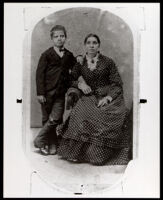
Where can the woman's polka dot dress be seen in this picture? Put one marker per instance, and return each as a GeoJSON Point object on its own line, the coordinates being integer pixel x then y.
{"type": "Point", "coordinates": [96, 134]}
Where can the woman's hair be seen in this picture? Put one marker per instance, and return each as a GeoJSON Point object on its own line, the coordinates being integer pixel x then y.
{"type": "Point", "coordinates": [58, 28]}
{"type": "Point", "coordinates": [92, 35]}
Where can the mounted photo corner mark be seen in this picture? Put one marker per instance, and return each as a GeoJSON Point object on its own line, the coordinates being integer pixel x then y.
{"type": "Point", "coordinates": [19, 101]}
{"type": "Point", "coordinates": [143, 101]}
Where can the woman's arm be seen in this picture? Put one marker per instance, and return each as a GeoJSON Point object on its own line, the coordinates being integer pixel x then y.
{"type": "Point", "coordinates": [115, 81]}
{"type": "Point", "coordinates": [82, 85]}
{"type": "Point", "coordinates": [76, 74]}
{"type": "Point", "coordinates": [115, 85]}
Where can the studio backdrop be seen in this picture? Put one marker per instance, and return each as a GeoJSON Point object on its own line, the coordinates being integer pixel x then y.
{"type": "Point", "coordinates": [116, 42]}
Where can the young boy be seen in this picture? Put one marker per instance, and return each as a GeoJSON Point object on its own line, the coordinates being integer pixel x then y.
{"type": "Point", "coordinates": [52, 81]}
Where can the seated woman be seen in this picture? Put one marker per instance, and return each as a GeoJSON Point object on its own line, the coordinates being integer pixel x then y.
{"type": "Point", "coordinates": [94, 132]}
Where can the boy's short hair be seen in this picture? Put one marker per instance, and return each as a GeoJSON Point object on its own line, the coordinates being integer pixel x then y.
{"type": "Point", "coordinates": [58, 28]}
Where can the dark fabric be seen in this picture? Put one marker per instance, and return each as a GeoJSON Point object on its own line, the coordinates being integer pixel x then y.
{"type": "Point", "coordinates": [53, 71]}
{"type": "Point", "coordinates": [48, 135]}
{"type": "Point", "coordinates": [90, 153]}
{"type": "Point", "coordinates": [97, 127]}
{"type": "Point", "coordinates": [105, 80]}
{"type": "Point", "coordinates": [72, 96]}
{"type": "Point", "coordinates": [46, 108]}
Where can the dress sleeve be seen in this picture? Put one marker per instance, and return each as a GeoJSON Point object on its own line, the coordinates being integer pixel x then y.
{"type": "Point", "coordinates": [115, 82]}
{"type": "Point", "coordinates": [40, 75]}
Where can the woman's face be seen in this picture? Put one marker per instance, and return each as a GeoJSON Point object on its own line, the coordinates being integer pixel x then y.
{"type": "Point", "coordinates": [92, 45]}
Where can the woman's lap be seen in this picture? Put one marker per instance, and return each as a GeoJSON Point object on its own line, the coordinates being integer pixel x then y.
{"type": "Point", "coordinates": [87, 118]}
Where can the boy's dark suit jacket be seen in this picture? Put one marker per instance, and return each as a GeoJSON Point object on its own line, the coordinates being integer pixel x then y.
{"type": "Point", "coordinates": [53, 72]}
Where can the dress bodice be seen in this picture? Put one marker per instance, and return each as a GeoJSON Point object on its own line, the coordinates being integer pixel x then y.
{"type": "Point", "coordinates": [98, 77]}
{"type": "Point", "coordinates": [104, 78]}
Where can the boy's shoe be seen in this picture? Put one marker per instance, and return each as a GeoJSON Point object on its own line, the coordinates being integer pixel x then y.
{"type": "Point", "coordinates": [52, 149]}
{"type": "Point", "coordinates": [44, 150]}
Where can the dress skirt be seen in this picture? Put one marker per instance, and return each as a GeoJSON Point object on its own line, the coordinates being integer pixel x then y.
{"type": "Point", "coordinates": [96, 135]}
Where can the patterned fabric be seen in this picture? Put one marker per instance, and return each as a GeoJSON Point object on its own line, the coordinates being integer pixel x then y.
{"type": "Point", "coordinates": [96, 134]}
{"type": "Point", "coordinates": [88, 153]}
{"type": "Point", "coordinates": [92, 62]}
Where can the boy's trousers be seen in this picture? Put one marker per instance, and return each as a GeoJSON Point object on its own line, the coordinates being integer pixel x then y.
{"type": "Point", "coordinates": [52, 115]}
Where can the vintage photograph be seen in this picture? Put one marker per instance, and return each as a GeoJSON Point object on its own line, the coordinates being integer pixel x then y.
{"type": "Point", "coordinates": [80, 91]}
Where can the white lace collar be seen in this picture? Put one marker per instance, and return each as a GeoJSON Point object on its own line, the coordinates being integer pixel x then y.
{"type": "Point", "coordinates": [92, 62]}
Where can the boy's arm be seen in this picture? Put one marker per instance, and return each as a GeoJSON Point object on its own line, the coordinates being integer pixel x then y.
{"type": "Point", "coordinates": [40, 78]}
{"type": "Point", "coordinates": [73, 82]}
{"type": "Point", "coordinates": [74, 60]}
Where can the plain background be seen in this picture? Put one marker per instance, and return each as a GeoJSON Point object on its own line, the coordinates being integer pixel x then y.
{"type": "Point", "coordinates": [144, 179]}
{"type": "Point", "coordinates": [116, 42]}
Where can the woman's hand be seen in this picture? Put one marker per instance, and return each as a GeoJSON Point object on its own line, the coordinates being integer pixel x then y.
{"type": "Point", "coordinates": [84, 87]}
{"type": "Point", "coordinates": [104, 101]}
{"type": "Point", "coordinates": [41, 99]}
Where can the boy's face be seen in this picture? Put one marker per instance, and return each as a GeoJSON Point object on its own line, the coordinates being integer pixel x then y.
{"type": "Point", "coordinates": [59, 38]}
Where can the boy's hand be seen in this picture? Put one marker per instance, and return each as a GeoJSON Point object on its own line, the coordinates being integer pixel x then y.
{"type": "Point", "coordinates": [41, 99]}
{"type": "Point", "coordinates": [80, 59]}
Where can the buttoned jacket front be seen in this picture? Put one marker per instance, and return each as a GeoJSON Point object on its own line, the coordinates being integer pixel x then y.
{"type": "Point", "coordinates": [53, 71]}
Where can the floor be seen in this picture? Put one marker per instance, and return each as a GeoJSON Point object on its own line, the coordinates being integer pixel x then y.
{"type": "Point", "coordinates": [71, 176]}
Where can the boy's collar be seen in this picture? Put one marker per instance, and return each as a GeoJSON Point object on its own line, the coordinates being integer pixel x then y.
{"type": "Point", "coordinates": [59, 49]}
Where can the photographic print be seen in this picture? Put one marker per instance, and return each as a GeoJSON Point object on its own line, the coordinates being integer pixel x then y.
{"type": "Point", "coordinates": [80, 88]}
